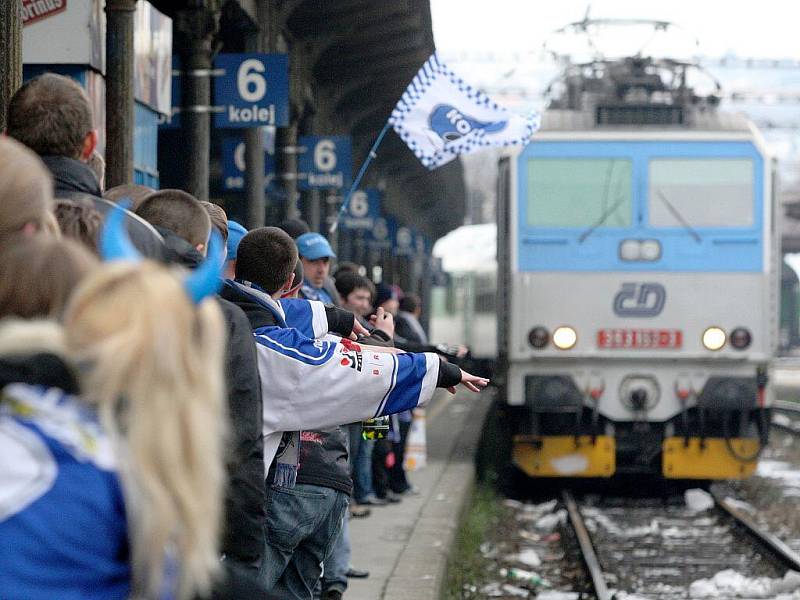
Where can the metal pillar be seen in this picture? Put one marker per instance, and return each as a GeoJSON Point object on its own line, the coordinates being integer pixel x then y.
{"type": "Point", "coordinates": [120, 117]}
{"type": "Point", "coordinates": [314, 210]}
{"type": "Point", "coordinates": [254, 161]}
{"type": "Point", "coordinates": [10, 54]}
{"type": "Point", "coordinates": [194, 30]}
{"type": "Point", "coordinates": [286, 147]}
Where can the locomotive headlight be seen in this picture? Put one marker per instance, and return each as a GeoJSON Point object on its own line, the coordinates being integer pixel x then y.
{"type": "Point", "coordinates": [538, 337]}
{"type": "Point", "coordinates": [564, 338]}
{"type": "Point", "coordinates": [741, 338]}
{"type": "Point", "coordinates": [713, 338]}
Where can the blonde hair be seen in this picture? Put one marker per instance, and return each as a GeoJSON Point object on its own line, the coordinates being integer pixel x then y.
{"type": "Point", "coordinates": [155, 372]}
{"type": "Point", "coordinates": [26, 189]}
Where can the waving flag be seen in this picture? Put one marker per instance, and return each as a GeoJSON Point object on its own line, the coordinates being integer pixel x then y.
{"type": "Point", "coordinates": [440, 116]}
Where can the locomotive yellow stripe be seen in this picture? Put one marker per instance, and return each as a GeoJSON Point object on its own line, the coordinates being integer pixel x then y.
{"type": "Point", "coordinates": [713, 461]}
{"type": "Point", "coordinates": [565, 456]}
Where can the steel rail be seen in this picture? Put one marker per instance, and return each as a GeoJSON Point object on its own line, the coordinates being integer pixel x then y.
{"type": "Point", "coordinates": [784, 406]}
{"type": "Point", "coordinates": [587, 549]}
{"type": "Point", "coordinates": [790, 408]}
{"type": "Point", "coordinates": [786, 555]}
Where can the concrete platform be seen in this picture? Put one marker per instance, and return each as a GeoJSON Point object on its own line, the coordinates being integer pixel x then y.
{"type": "Point", "coordinates": [405, 546]}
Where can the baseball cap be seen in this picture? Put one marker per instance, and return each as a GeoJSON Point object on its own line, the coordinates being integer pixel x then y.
{"type": "Point", "coordinates": [312, 246]}
{"type": "Point", "coordinates": [235, 234]}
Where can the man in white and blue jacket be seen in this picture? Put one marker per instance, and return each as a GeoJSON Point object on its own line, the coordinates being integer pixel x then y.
{"type": "Point", "coordinates": [319, 383]}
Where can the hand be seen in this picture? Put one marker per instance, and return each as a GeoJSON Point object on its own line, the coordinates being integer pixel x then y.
{"type": "Point", "coordinates": [461, 350]}
{"type": "Point", "coordinates": [472, 382]}
{"type": "Point", "coordinates": [358, 329]}
{"type": "Point", "coordinates": [383, 321]}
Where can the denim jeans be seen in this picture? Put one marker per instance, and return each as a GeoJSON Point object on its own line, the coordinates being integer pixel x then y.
{"type": "Point", "coordinates": [334, 576]}
{"type": "Point", "coordinates": [301, 527]}
{"type": "Point", "coordinates": [362, 480]}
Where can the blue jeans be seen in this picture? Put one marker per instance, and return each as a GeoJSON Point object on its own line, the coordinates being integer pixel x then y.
{"type": "Point", "coordinates": [301, 527]}
{"type": "Point", "coordinates": [335, 575]}
{"type": "Point", "coordinates": [362, 478]}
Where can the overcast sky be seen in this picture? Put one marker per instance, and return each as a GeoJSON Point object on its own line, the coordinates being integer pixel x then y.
{"type": "Point", "coordinates": [763, 28]}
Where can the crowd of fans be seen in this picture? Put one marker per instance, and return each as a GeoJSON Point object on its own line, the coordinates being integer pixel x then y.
{"type": "Point", "coordinates": [181, 400]}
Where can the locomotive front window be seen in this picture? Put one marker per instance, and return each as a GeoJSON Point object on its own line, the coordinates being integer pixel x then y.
{"type": "Point", "coordinates": [579, 192]}
{"type": "Point", "coordinates": [701, 192]}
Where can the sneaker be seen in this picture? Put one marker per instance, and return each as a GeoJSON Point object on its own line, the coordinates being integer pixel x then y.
{"type": "Point", "coordinates": [393, 497]}
{"type": "Point", "coordinates": [412, 491]}
{"type": "Point", "coordinates": [356, 574]}
{"type": "Point", "coordinates": [359, 512]}
{"type": "Point", "coordinates": [374, 501]}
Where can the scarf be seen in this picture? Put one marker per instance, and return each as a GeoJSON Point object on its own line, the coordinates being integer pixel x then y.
{"type": "Point", "coordinates": [287, 460]}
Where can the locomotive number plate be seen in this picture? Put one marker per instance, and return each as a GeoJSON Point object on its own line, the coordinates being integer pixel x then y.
{"type": "Point", "coordinates": [660, 339]}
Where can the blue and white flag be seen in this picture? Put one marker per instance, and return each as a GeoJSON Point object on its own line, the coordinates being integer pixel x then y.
{"type": "Point", "coordinates": [440, 116]}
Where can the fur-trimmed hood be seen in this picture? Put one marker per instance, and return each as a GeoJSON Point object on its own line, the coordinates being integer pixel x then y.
{"type": "Point", "coordinates": [33, 352]}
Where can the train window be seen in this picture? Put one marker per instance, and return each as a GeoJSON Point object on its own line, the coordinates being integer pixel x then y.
{"type": "Point", "coordinates": [701, 192]}
{"type": "Point", "coordinates": [579, 192]}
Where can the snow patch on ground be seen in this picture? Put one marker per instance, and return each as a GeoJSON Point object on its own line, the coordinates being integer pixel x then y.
{"type": "Point", "coordinates": [528, 557]}
{"type": "Point", "coordinates": [551, 521]}
{"type": "Point", "coordinates": [788, 473]}
{"type": "Point", "coordinates": [698, 500]}
{"type": "Point", "coordinates": [732, 584]}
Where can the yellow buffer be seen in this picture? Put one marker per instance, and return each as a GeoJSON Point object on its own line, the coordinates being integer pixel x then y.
{"type": "Point", "coordinates": [713, 461]}
{"type": "Point", "coordinates": [561, 456]}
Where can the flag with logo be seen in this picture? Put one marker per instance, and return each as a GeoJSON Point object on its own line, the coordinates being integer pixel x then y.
{"type": "Point", "coordinates": [440, 117]}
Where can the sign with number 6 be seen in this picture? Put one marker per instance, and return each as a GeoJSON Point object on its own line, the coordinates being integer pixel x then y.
{"type": "Point", "coordinates": [252, 90]}
{"type": "Point", "coordinates": [324, 161]}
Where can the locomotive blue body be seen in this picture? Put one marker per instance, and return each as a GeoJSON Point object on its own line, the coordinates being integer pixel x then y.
{"type": "Point", "coordinates": [638, 278]}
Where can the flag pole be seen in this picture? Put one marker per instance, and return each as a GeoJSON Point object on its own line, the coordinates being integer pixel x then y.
{"type": "Point", "coordinates": [361, 172]}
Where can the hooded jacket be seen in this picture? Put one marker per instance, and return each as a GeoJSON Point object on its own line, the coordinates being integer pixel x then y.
{"type": "Point", "coordinates": [63, 524]}
{"type": "Point", "coordinates": [319, 384]}
{"type": "Point", "coordinates": [244, 499]}
{"type": "Point", "coordinates": [63, 529]}
{"type": "Point", "coordinates": [74, 179]}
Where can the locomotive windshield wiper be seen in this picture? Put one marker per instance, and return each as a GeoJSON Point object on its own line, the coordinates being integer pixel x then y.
{"type": "Point", "coordinates": [582, 237]}
{"type": "Point", "coordinates": [674, 212]}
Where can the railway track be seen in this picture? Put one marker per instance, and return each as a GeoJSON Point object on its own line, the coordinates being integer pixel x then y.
{"type": "Point", "coordinates": [786, 417]}
{"type": "Point", "coordinates": [655, 549]}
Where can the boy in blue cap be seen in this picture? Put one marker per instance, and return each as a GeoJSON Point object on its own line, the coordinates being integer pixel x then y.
{"type": "Point", "coordinates": [235, 234]}
{"type": "Point", "coordinates": [316, 254]}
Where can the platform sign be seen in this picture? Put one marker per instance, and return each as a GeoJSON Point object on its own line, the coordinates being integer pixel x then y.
{"type": "Point", "coordinates": [251, 90]}
{"type": "Point", "coordinates": [363, 210]}
{"type": "Point", "coordinates": [326, 162]}
{"type": "Point", "coordinates": [233, 165]}
{"type": "Point", "coordinates": [382, 234]}
{"type": "Point", "coordinates": [405, 242]}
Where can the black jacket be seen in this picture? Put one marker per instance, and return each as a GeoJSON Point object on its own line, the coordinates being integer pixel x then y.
{"type": "Point", "coordinates": [74, 180]}
{"type": "Point", "coordinates": [244, 499]}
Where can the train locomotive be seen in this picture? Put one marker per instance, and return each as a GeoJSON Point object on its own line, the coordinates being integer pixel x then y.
{"type": "Point", "coordinates": [638, 280]}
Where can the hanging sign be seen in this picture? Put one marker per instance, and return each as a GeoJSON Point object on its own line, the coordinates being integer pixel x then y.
{"type": "Point", "coordinates": [363, 210]}
{"type": "Point", "coordinates": [404, 242]}
{"type": "Point", "coordinates": [325, 162]}
{"type": "Point", "coordinates": [382, 234]}
{"type": "Point", "coordinates": [233, 165]}
{"type": "Point", "coordinates": [251, 90]}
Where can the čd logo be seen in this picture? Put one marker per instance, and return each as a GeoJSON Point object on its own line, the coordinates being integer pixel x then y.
{"type": "Point", "coordinates": [640, 300]}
